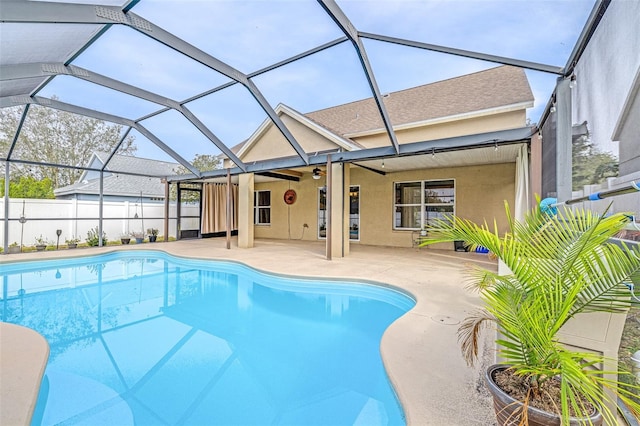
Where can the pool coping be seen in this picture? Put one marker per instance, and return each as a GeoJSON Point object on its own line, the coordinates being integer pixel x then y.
{"type": "Point", "coordinates": [24, 354]}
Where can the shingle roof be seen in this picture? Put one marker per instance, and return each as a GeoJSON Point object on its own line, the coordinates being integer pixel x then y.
{"type": "Point", "coordinates": [495, 87]}
{"type": "Point", "coordinates": [131, 164]}
{"type": "Point", "coordinates": [125, 185]}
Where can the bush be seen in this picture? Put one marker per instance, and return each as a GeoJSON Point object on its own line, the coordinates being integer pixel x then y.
{"type": "Point", "coordinates": [93, 238]}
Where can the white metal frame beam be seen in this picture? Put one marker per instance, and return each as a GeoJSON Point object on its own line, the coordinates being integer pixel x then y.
{"type": "Point", "coordinates": [466, 53]}
{"type": "Point", "coordinates": [458, 143]}
{"type": "Point", "coordinates": [46, 12]}
{"type": "Point", "coordinates": [45, 69]}
{"type": "Point", "coordinates": [74, 109]}
{"type": "Point", "coordinates": [341, 20]}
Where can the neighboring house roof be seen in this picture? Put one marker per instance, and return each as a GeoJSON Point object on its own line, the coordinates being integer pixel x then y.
{"type": "Point", "coordinates": [116, 184]}
{"type": "Point", "coordinates": [131, 164]}
{"type": "Point", "coordinates": [485, 90]}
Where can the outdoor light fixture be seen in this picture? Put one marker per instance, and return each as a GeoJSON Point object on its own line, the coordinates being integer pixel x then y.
{"type": "Point", "coordinates": [316, 173]}
{"type": "Point", "coordinates": [383, 163]}
{"type": "Point", "coordinates": [573, 81]}
{"type": "Point", "coordinates": [496, 146]}
{"type": "Point", "coordinates": [553, 104]}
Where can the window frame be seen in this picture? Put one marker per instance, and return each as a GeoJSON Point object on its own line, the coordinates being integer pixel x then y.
{"type": "Point", "coordinates": [257, 208]}
{"type": "Point", "coordinates": [423, 205]}
{"type": "Point", "coordinates": [324, 216]}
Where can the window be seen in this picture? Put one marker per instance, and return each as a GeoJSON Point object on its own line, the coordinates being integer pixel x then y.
{"type": "Point", "coordinates": [262, 207]}
{"type": "Point", "coordinates": [354, 212]}
{"type": "Point", "coordinates": [322, 212]}
{"type": "Point", "coordinates": [419, 203]}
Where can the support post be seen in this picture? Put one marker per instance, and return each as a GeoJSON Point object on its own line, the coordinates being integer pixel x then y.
{"type": "Point", "coordinates": [564, 142]}
{"type": "Point", "coordinates": [101, 209]}
{"type": "Point", "coordinates": [246, 184]}
{"type": "Point", "coordinates": [178, 211]}
{"type": "Point", "coordinates": [329, 209]}
{"type": "Point", "coordinates": [339, 232]}
{"type": "Point", "coordinates": [7, 175]}
{"type": "Point", "coordinates": [166, 210]}
{"type": "Point", "coordinates": [229, 209]}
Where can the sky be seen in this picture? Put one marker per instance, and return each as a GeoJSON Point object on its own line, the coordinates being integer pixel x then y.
{"type": "Point", "coordinates": [250, 35]}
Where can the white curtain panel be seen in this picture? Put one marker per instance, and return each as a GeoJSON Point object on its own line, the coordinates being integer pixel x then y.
{"type": "Point", "coordinates": [523, 188]}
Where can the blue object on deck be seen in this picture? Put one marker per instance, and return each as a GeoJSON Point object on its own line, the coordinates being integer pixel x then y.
{"type": "Point", "coordinates": [548, 206]}
{"type": "Point", "coordinates": [481, 249]}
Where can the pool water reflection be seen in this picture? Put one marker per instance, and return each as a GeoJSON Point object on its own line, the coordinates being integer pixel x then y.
{"type": "Point", "coordinates": [146, 338]}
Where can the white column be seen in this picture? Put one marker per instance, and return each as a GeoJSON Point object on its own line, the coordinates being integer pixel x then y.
{"type": "Point", "coordinates": [246, 183]}
{"type": "Point", "coordinates": [339, 211]}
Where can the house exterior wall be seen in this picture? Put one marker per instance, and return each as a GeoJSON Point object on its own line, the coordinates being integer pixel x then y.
{"type": "Point", "coordinates": [273, 145]}
{"type": "Point", "coordinates": [469, 126]}
{"type": "Point", "coordinates": [480, 195]}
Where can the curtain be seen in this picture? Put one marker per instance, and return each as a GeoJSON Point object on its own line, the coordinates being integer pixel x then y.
{"type": "Point", "coordinates": [522, 183]}
{"type": "Point", "coordinates": [214, 207]}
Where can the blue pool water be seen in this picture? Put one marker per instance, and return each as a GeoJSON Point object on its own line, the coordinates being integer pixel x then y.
{"type": "Point", "coordinates": [147, 338]}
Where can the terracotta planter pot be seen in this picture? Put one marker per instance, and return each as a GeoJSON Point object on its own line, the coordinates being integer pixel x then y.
{"type": "Point", "coordinates": [508, 410]}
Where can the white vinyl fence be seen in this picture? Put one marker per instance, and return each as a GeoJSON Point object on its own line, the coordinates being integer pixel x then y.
{"type": "Point", "coordinates": [629, 203]}
{"type": "Point", "coordinates": [75, 218]}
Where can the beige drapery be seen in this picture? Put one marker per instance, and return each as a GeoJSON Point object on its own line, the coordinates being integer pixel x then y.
{"type": "Point", "coordinates": [214, 207]}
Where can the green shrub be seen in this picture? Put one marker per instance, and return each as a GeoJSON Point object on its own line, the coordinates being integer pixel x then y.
{"type": "Point", "coordinates": [93, 238]}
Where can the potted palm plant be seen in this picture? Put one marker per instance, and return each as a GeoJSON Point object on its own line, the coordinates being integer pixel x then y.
{"type": "Point", "coordinates": [561, 265]}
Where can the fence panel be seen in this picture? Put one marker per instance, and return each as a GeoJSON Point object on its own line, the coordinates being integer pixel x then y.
{"type": "Point", "coordinates": [75, 218]}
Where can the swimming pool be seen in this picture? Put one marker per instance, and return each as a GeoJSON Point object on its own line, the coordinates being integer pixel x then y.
{"type": "Point", "coordinates": [147, 338]}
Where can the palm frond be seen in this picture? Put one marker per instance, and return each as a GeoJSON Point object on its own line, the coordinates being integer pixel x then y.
{"type": "Point", "coordinates": [468, 335]}
{"type": "Point", "coordinates": [560, 266]}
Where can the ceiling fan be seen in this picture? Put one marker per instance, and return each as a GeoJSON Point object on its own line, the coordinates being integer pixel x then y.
{"type": "Point", "coordinates": [317, 173]}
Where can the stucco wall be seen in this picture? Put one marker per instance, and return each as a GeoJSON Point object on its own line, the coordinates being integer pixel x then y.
{"type": "Point", "coordinates": [606, 71]}
{"type": "Point", "coordinates": [273, 145]}
{"type": "Point", "coordinates": [480, 195]}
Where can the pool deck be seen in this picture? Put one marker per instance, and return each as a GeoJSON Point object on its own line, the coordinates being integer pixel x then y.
{"type": "Point", "coordinates": [420, 349]}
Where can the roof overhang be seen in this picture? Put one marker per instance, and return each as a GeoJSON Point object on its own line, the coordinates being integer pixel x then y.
{"type": "Point", "coordinates": [521, 106]}
{"type": "Point", "coordinates": [450, 152]}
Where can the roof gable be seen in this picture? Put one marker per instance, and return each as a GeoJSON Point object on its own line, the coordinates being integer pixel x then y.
{"type": "Point", "coordinates": [283, 110]}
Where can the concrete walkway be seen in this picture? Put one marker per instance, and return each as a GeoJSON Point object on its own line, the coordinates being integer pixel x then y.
{"type": "Point", "coordinates": [420, 349]}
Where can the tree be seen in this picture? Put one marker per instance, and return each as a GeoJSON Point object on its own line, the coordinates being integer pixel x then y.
{"type": "Point", "coordinates": [202, 162]}
{"type": "Point", "coordinates": [57, 137]}
{"type": "Point", "coordinates": [590, 165]}
{"type": "Point", "coordinates": [28, 187]}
